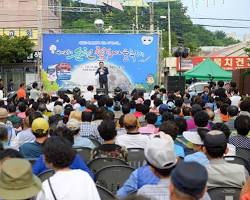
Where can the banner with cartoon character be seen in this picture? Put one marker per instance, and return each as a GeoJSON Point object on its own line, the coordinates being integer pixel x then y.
{"type": "Point", "coordinates": [71, 60]}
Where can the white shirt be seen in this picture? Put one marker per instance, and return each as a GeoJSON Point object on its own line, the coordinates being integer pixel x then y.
{"type": "Point", "coordinates": [69, 185]}
{"type": "Point", "coordinates": [132, 140]}
{"type": "Point", "coordinates": [88, 96]}
{"type": "Point", "coordinates": [50, 106]}
{"type": "Point", "coordinates": [231, 150]}
{"type": "Point", "coordinates": [23, 137]}
{"type": "Point", "coordinates": [235, 100]}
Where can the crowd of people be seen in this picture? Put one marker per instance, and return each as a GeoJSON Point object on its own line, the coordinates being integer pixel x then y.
{"type": "Point", "coordinates": [185, 138]}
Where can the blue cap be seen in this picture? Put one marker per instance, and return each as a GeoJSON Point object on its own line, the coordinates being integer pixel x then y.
{"type": "Point", "coordinates": [190, 178]}
{"type": "Point", "coordinates": [163, 108]}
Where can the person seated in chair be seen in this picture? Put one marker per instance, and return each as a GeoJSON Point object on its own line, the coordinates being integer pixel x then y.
{"type": "Point", "coordinates": [107, 131]}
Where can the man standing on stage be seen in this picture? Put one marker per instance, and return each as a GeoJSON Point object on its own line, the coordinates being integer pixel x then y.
{"type": "Point", "coordinates": [103, 76]}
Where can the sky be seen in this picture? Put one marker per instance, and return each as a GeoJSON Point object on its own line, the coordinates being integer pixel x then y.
{"type": "Point", "coordinates": [223, 9]}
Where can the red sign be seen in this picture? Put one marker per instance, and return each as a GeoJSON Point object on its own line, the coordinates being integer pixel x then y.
{"type": "Point", "coordinates": [227, 63]}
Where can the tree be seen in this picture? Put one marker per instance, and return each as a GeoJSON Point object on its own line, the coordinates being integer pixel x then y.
{"type": "Point", "coordinates": [248, 51]}
{"type": "Point", "coordinates": [15, 49]}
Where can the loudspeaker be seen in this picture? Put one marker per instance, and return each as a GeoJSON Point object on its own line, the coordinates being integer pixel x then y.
{"type": "Point", "coordinates": [100, 91]}
{"type": "Point", "coordinates": [176, 83]}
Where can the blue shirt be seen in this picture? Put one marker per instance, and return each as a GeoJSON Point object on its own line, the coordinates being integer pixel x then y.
{"type": "Point", "coordinates": [179, 150]}
{"type": "Point", "coordinates": [158, 121]}
{"type": "Point", "coordinates": [132, 111]}
{"type": "Point", "coordinates": [140, 177]}
{"type": "Point", "coordinates": [39, 166]}
{"type": "Point", "coordinates": [82, 142]}
{"type": "Point", "coordinates": [199, 157]}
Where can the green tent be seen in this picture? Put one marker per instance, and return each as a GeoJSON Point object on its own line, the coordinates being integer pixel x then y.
{"type": "Point", "coordinates": [207, 70]}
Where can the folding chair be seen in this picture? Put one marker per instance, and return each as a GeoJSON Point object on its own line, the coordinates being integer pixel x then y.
{"type": "Point", "coordinates": [227, 193]}
{"type": "Point", "coordinates": [95, 142]}
{"type": "Point", "coordinates": [113, 177]}
{"type": "Point", "coordinates": [32, 160]}
{"type": "Point", "coordinates": [238, 160]}
{"type": "Point", "coordinates": [99, 163]}
{"type": "Point", "coordinates": [84, 152]}
{"type": "Point", "coordinates": [46, 174]}
{"type": "Point", "coordinates": [244, 153]}
{"type": "Point", "coordinates": [104, 193]}
{"type": "Point", "coordinates": [136, 157]}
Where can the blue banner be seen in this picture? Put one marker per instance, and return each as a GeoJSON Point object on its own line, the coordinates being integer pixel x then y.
{"type": "Point", "coordinates": [71, 60]}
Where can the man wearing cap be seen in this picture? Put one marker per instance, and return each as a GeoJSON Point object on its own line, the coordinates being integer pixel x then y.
{"type": "Point", "coordinates": [26, 135]}
{"type": "Point", "coordinates": [17, 180]}
{"type": "Point", "coordinates": [188, 186]}
{"type": "Point", "coordinates": [160, 156]}
{"type": "Point", "coordinates": [220, 172]}
{"type": "Point", "coordinates": [197, 143]}
{"type": "Point", "coordinates": [133, 139]}
{"type": "Point", "coordinates": [74, 125]}
{"type": "Point", "coordinates": [39, 128]}
{"type": "Point", "coordinates": [4, 122]}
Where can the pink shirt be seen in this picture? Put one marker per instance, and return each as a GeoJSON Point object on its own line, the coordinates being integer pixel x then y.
{"type": "Point", "coordinates": [149, 129]}
{"type": "Point", "coordinates": [138, 114]}
{"type": "Point", "coordinates": [191, 125]}
{"type": "Point", "coordinates": [21, 115]}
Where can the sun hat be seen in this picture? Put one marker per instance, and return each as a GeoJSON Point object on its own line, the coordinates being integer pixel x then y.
{"type": "Point", "coordinates": [193, 137]}
{"type": "Point", "coordinates": [3, 113]}
{"type": "Point", "coordinates": [190, 178]}
{"type": "Point", "coordinates": [160, 152]}
{"type": "Point", "coordinates": [57, 110]}
{"type": "Point", "coordinates": [17, 181]}
{"type": "Point", "coordinates": [40, 126]}
{"type": "Point", "coordinates": [73, 124]}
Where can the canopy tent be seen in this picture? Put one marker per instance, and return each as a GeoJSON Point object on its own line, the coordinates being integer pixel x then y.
{"type": "Point", "coordinates": [208, 70]}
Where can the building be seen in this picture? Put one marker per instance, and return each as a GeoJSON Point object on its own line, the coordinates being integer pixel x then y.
{"type": "Point", "coordinates": [31, 18]}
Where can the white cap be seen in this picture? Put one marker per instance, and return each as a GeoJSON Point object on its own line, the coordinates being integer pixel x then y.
{"type": "Point", "coordinates": [160, 152]}
{"type": "Point", "coordinates": [193, 137]}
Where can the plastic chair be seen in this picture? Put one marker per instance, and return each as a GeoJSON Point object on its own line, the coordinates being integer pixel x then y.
{"type": "Point", "coordinates": [95, 142]}
{"type": "Point", "coordinates": [136, 157]}
{"type": "Point", "coordinates": [84, 152]}
{"type": "Point", "coordinates": [46, 174]}
{"type": "Point", "coordinates": [220, 193]}
{"type": "Point", "coordinates": [113, 177]}
{"type": "Point", "coordinates": [32, 160]}
{"type": "Point", "coordinates": [244, 153]}
{"type": "Point", "coordinates": [99, 163]}
{"type": "Point", "coordinates": [104, 193]}
{"type": "Point", "coordinates": [238, 160]}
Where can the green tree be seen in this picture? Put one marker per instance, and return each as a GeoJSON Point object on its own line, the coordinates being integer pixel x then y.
{"type": "Point", "coordinates": [15, 49]}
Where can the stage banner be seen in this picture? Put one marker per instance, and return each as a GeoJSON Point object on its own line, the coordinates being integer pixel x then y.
{"type": "Point", "coordinates": [71, 60]}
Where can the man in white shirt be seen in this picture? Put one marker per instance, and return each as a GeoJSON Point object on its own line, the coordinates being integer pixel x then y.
{"type": "Point", "coordinates": [133, 139]}
{"type": "Point", "coordinates": [235, 98]}
{"type": "Point", "coordinates": [89, 95]}
{"type": "Point", "coordinates": [65, 184]}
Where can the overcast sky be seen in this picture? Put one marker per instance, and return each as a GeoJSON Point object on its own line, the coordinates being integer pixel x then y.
{"type": "Point", "coordinates": [233, 9]}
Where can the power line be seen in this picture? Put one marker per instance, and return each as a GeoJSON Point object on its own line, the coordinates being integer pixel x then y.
{"type": "Point", "coordinates": [221, 19]}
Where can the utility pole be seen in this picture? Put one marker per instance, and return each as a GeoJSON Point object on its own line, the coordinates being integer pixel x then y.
{"type": "Point", "coordinates": [169, 31]}
{"type": "Point", "coordinates": [151, 16]}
